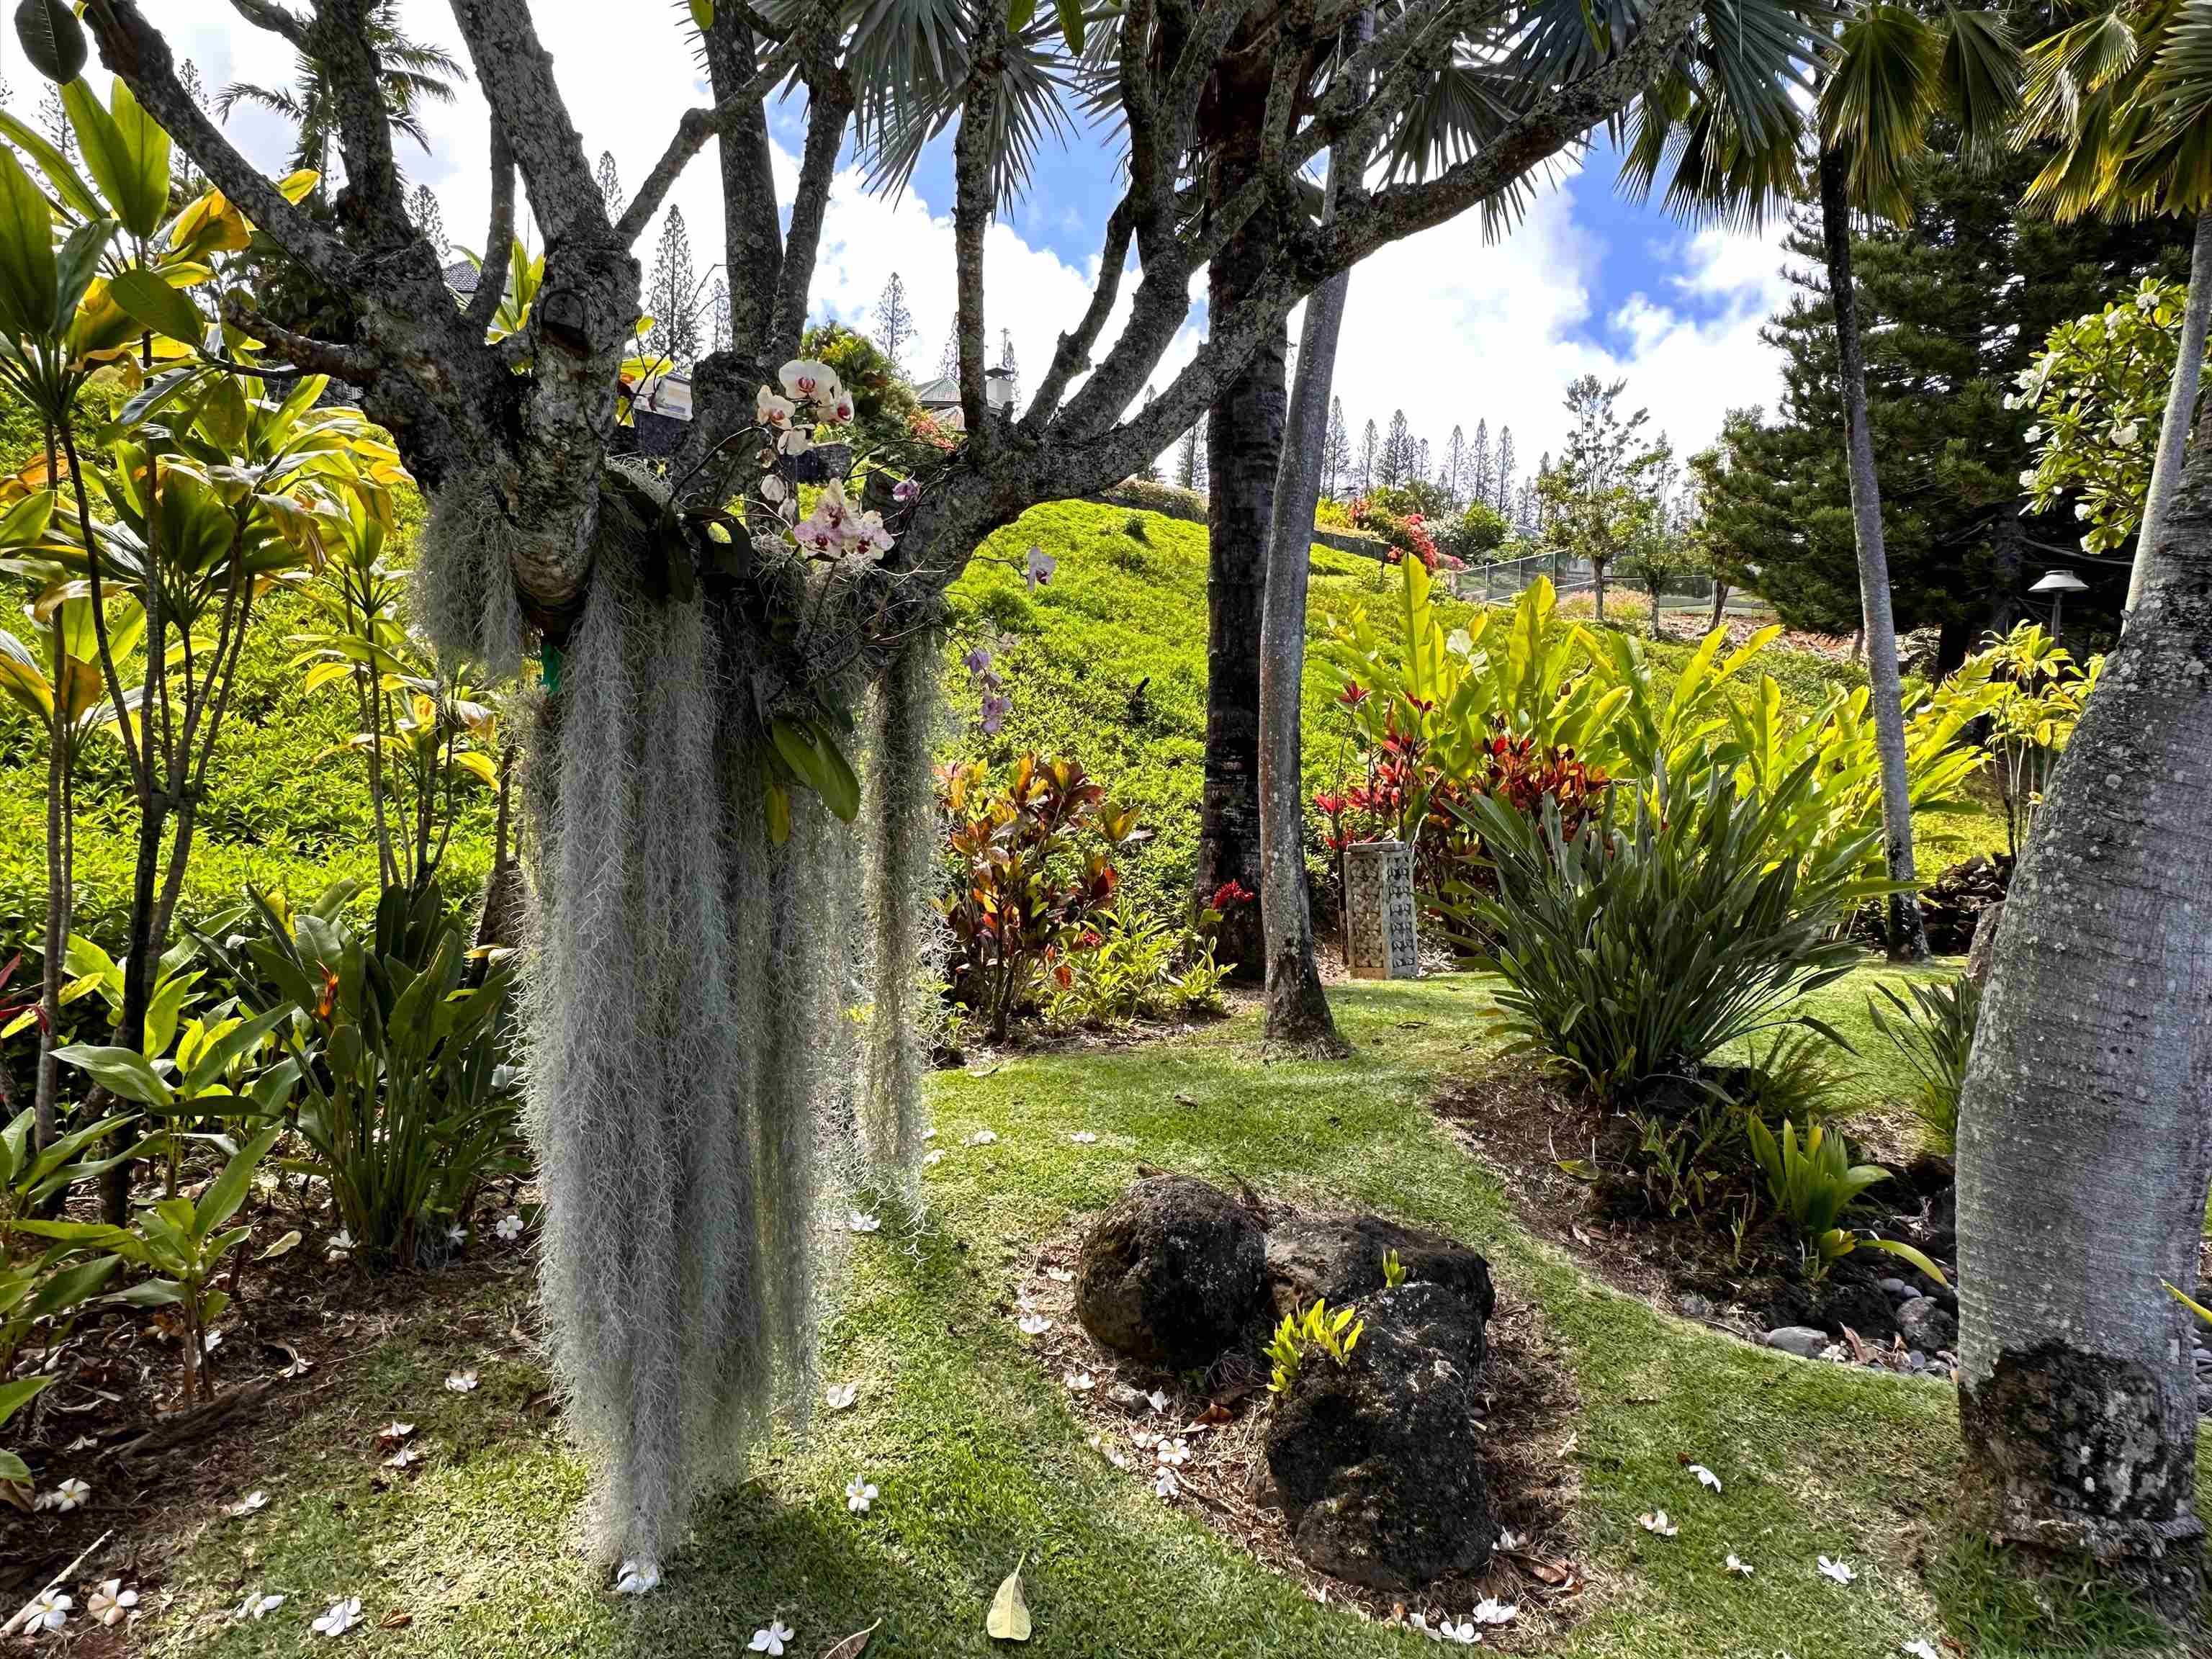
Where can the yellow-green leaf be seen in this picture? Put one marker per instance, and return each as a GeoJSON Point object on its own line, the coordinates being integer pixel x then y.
{"type": "Point", "coordinates": [153, 305]}
{"type": "Point", "coordinates": [27, 251]}
{"type": "Point", "coordinates": [1009, 1618]}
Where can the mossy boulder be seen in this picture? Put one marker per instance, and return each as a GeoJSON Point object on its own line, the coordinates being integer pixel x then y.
{"type": "Point", "coordinates": [1174, 1274]}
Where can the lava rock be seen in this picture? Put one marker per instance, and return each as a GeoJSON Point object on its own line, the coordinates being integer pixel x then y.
{"type": "Point", "coordinates": [1926, 1326]}
{"type": "Point", "coordinates": [1803, 1340]}
{"type": "Point", "coordinates": [1378, 1462]}
{"type": "Point", "coordinates": [1339, 1258]}
{"type": "Point", "coordinates": [1861, 1307]}
{"type": "Point", "coordinates": [1896, 1289]}
{"type": "Point", "coordinates": [1173, 1274]}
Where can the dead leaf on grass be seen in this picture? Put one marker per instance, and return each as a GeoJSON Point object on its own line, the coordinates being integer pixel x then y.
{"type": "Point", "coordinates": [283, 1246]}
{"type": "Point", "coordinates": [1009, 1618]}
{"type": "Point", "coordinates": [853, 1645]}
{"type": "Point", "coordinates": [397, 1618]}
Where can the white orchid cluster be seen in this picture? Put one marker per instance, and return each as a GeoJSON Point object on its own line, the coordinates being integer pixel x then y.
{"type": "Point", "coordinates": [812, 396]}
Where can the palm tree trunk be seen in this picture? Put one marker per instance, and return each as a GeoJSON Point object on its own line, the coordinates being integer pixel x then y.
{"type": "Point", "coordinates": [1908, 942]}
{"type": "Point", "coordinates": [1243, 443]}
{"type": "Point", "coordinates": [2180, 407]}
{"type": "Point", "coordinates": [1298, 1007]}
{"type": "Point", "coordinates": [2084, 1141]}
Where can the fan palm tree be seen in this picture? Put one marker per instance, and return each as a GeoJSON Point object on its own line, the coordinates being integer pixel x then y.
{"type": "Point", "coordinates": [411, 74]}
{"type": "Point", "coordinates": [1889, 73]}
{"type": "Point", "coordinates": [2126, 94]}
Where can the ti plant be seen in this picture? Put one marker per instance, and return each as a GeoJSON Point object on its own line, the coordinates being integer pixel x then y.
{"type": "Point", "coordinates": [181, 1245]}
{"type": "Point", "coordinates": [54, 1284]}
{"type": "Point", "coordinates": [1334, 1332]}
{"type": "Point", "coordinates": [1812, 1184]}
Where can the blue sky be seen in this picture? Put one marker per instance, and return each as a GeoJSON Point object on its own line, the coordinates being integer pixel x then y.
{"type": "Point", "coordinates": [1446, 326]}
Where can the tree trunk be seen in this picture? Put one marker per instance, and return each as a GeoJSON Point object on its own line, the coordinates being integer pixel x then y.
{"type": "Point", "coordinates": [2084, 1141]}
{"type": "Point", "coordinates": [1243, 443]}
{"type": "Point", "coordinates": [1297, 1006]}
{"type": "Point", "coordinates": [1597, 586]}
{"type": "Point", "coordinates": [2180, 408]}
{"type": "Point", "coordinates": [46, 1097]}
{"type": "Point", "coordinates": [1719, 604]}
{"type": "Point", "coordinates": [1908, 942]}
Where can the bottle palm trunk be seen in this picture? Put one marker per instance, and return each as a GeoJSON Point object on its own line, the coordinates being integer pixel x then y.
{"type": "Point", "coordinates": [2180, 407]}
{"type": "Point", "coordinates": [1908, 940]}
{"type": "Point", "coordinates": [2085, 1144]}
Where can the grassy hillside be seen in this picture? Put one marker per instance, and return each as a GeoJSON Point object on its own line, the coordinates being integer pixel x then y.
{"type": "Point", "coordinates": [1106, 663]}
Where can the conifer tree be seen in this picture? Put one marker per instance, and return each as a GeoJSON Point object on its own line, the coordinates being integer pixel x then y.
{"type": "Point", "coordinates": [895, 329]}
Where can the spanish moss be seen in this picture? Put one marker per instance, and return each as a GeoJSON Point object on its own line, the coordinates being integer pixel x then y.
{"type": "Point", "coordinates": [466, 597]}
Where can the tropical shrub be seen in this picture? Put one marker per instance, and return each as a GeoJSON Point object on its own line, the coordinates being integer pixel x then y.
{"type": "Point", "coordinates": [1813, 1185]}
{"type": "Point", "coordinates": [1935, 1032]}
{"type": "Point", "coordinates": [1473, 534]}
{"type": "Point", "coordinates": [1665, 928]}
{"type": "Point", "coordinates": [54, 1282]}
{"type": "Point", "coordinates": [2033, 692]}
{"type": "Point", "coordinates": [1321, 1329]}
{"type": "Point", "coordinates": [1407, 532]}
{"type": "Point", "coordinates": [1130, 964]}
{"type": "Point", "coordinates": [1032, 868]}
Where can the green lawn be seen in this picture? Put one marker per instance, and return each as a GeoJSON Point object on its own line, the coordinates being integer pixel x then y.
{"type": "Point", "coordinates": [980, 1461]}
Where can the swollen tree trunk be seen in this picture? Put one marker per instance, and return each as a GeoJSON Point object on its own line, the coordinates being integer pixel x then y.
{"type": "Point", "coordinates": [2180, 408]}
{"type": "Point", "coordinates": [1243, 443]}
{"type": "Point", "coordinates": [1908, 941]}
{"type": "Point", "coordinates": [2084, 1140]}
{"type": "Point", "coordinates": [1298, 1007]}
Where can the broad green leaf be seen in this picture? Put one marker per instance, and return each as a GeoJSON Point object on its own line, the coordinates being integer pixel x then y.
{"type": "Point", "coordinates": [27, 252]}
{"type": "Point", "coordinates": [68, 184]}
{"type": "Point", "coordinates": [53, 40]}
{"type": "Point", "coordinates": [14, 1396]}
{"type": "Point", "coordinates": [155, 306]}
{"type": "Point", "coordinates": [1070, 24]}
{"type": "Point", "coordinates": [228, 1191]}
{"type": "Point", "coordinates": [76, 265]}
{"type": "Point", "coordinates": [146, 149]}
{"type": "Point", "coordinates": [124, 1072]}
{"type": "Point", "coordinates": [1008, 1619]}
{"type": "Point", "coordinates": [151, 1293]}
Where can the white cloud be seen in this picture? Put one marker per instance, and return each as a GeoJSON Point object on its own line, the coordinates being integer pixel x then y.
{"type": "Point", "coordinates": [1445, 326]}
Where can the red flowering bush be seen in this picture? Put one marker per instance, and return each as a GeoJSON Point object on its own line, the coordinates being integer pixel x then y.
{"type": "Point", "coordinates": [1405, 533]}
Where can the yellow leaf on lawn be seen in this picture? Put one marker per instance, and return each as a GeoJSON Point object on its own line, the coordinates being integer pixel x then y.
{"type": "Point", "coordinates": [1009, 1618]}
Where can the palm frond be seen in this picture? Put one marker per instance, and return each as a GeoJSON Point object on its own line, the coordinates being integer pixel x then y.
{"type": "Point", "coordinates": [1885, 84]}
{"type": "Point", "coordinates": [1981, 75]}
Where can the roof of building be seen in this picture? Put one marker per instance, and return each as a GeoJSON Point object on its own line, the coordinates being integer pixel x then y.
{"type": "Point", "coordinates": [943, 392]}
{"type": "Point", "coordinates": [461, 276]}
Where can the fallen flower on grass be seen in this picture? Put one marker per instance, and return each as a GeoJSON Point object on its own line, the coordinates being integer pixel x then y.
{"type": "Point", "coordinates": [1033, 1324]}
{"type": "Point", "coordinates": [934, 1156]}
{"type": "Point", "coordinates": [1706, 1476]}
{"type": "Point", "coordinates": [1657, 1521]}
{"type": "Point", "coordinates": [1079, 1381]}
{"type": "Point", "coordinates": [1083, 1137]}
{"type": "Point", "coordinates": [49, 1611]}
{"type": "Point", "coordinates": [1743, 1569]}
{"type": "Point", "coordinates": [1157, 1400]}
{"type": "Point", "coordinates": [1060, 1275]}
{"type": "Point", "coordinates": [248, 1504]}
{"type": "Point", "coordinates": [770, 1639]}
{"type": "Point", "coordinates": [1113, 1454]}
{"type": "Point", "coordinates": [1837, 1570]}
{"type": "Point", "coordinates": [982, 1138]}
{"type": "Point", "coordinates": [1165, 1483]}
{"type": "Point", "coordinates": [858, 1494]}
{"type": "Point", "coordinates": [342, 1616]}
{"type": "Point", "coordinates": [257, 1606]}
{"type": "Point", "coordinates": [403, 1457]}
{"type": "Point", "coordinates": [509, 1228]}
{"type": "Point", "coordinates": [862, 1224]}
{"type": "Point", "coordinates": [1492, 1611]}
{"type": "Point", "coordinates": [1921, 1648]}
{"type": "Point", "coordinates": [111, 1603]}
{"type": "Point", "coordinates": [1172, 1451]}
{"type": "Point", "coordinates": [842, 1394]}
{"type": "Point", "coordinates": [392, 1433]}
{"type": "Point", "coordinates": [461, 1383]}
{"type": "Point", "coordinates": [636, 1577]}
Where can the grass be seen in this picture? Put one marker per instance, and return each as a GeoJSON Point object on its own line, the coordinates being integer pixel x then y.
{"type": "Point", "coordinates": [980, 1464]}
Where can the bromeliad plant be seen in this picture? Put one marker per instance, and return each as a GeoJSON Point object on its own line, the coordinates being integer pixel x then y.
{"type": "Point", "coordinates": [1935, 1033]}
{"type": "Point", "coordinates": [1032, 868]}
{"type": "Point", "coordinates": [1813, 1185]}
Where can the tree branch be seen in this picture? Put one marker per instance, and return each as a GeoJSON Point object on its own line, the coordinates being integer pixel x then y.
{"type": "Point", "coordinates": [302, 351]}
{"type": "Point", "coordinates": [516, 73]}
{"type": "Point", "coordinates": [135, 49]}
{"type": "Point", "coordinates": [973, 204]}
{"type": "Point", "coordinates": [339, 37]}
{"type": "Point", "coordinates": [828, 105]}
{"type": "Point", "coordinates": [1073, 354]}
{"type": "Point", "coordinates": [696, 127]}
{"type": "Point", "coordinates": [498, 238]}
{"type": "Point", "coordinates": [266, 14]}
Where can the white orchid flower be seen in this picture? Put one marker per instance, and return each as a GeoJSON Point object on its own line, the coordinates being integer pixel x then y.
{"type": "Point", "coordinates": [1838, 1570]}
{"type": "Point", "coordinates": [795, 442]}
{"type": "Point", "coordinates": [257, 1607]}
{"type": "Point", "coordinates": [841, 406]}
{"type": "Point", "coordinates": [1033, 1324]}
{"type": "Point", "coordinates": [858, 1494]}
{"type": "Point", "coordinates": [806, 378]}
{"type": "Point", "coordinates": [49, 1611]}
{"type": "Point", "coordinates": [636, 1577]}
{"type": "Point", "coordinates": [1706, 1476]}
{"type": "Point", "coordinates": [1079, 1381]}
{"type": "Point", "coordinates": [771, 411]}
{"type": "Point", "coordinates": [111, 1603]}
{"type": "Point", "coordinates": [508, 1227]}
{"type": "Point", "coordinates": [860, 1222]}
{"type": "Point", "coordinates": [773, 489]}
{"type": "Point", "coordinates": [342, 1616]}
{"type": "Point", "coordinates": [771, 1639]}
{"type": "Point", "coordinates": [461, 1383]}
{"type": "Point", "coordinates": [842, 1394]}
{"type": "Point", "coordinates": [1037, 569]}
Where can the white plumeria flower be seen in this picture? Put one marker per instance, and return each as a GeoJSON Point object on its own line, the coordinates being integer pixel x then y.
{"type": "Point", "coordinates": [1145, 1439]}
{"type": "Point", "coordinates": [1741, 1569]}
{"type": "Point", "coordinates": [1464, 1632]}
{"type": "Point", "coordinates": [771, 1639]}
{"type": "Point", "coordinates": [1157, 1400]}
{"type": "Point", "coordinates": [636, 1577]}
{"type": "Point", "coordinates": [1060, 1275]}
{"type": "Point", "coordinates": [982, 1137]}
{"type": "Point", "coordinates": [461, 1383]}
{"type": "Point", "coordinates": [1173, 1451]}
{"type": "Point", "coordinates": [842, 1394]}
{"type": "Point", "coordinates": [395, 1431]}
{"type": "Point", "coordinates": [248, 1504]}
{"type": "Point", "coordinates": [1921, 1648]}
{"type": "Point", "coordinates": [257, 1607]}
{"type": "Point", "coordinates": [341, 1246]}
{"type": "Point", "coordinates": [1492, 1611]}
{"type": "Point", "coordinates": [457, 1235]}
{"type": "Point", "coordinates": [1033, 1324]}
{"type": "Point", "coordinates": [403, 1457]}
{"type": "Point", "coordinates": [1079, 1381]}
{"type": "Point", "coordinates": [1508, 1539]}
{"type": "Point", "coordinates": [210, 1340]}
{"type": "Point", "coordinates": [49, 1611]}
{"type": "Point", "coordinates": [1083, 1137]}
{"type": "Point", "coordinates": [2125, 434]}
{"type": "Point", "coordinates": [1838, 1570]}
{"type": "Point", "coordinates": [508, 1227]}
{"type": "Point", "coordinates": [1112, 1454]}
{"type": "Point", "coordinates": [70, 1494]}
{"type": "Point", "coordinates": [1164, 1483]}
{"type": "Point", "coordinates": [861, 1223]}
{"type": "Point", "coordinates": [858, 1494]}
{"type": "Point", "coordinates": [1657, 1521]}
{"type": "Point", "coordinates": [1706, 1476]}
{"type": "Point", "coordinates": [111, 1603]}
{"type": "Point", "coordinates": [2033, 434]}
{"type": "Point", "coordinates": [342, 1616]}
{"type": "Point", "coordinates": [934, 1156]}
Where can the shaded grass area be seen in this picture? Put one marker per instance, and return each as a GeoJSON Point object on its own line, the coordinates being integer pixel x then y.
{"type": "Point", "coordinates": [979, 1464]}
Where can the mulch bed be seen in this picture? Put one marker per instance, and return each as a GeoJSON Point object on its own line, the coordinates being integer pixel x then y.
{"type": "Point", "coordinates": [1531, 1409]}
